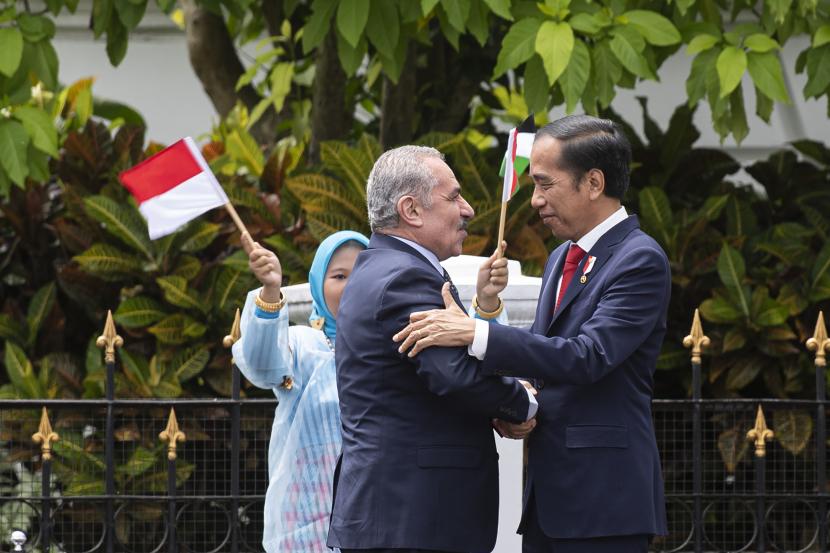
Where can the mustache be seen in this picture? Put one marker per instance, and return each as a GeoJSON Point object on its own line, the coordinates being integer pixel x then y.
{"type": "Point", "coordinates": [463, 224]}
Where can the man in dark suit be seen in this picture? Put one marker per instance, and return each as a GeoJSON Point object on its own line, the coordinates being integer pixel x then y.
{"type": "Point", "coordinates": [594, 480]}
{"type": "Point", "coordinates": [419, 466]}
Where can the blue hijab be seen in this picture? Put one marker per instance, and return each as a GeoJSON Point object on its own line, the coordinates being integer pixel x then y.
{"type": "Point", "coordinates": [317, 274]}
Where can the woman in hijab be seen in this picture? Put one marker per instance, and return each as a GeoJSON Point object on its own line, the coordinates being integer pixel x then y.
{"type": "Point", "coordinates": [297, 363]}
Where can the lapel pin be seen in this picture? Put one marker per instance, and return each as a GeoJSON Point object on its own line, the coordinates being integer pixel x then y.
{"type": "Point", "coordinates": [587, 269]}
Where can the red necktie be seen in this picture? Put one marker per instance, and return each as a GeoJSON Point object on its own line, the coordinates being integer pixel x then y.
{"type": "Point", "coordinates": [575, 255]}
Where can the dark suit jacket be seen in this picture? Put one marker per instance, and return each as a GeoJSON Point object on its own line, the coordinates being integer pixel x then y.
{"type": "Point", "coordinates": [419, 465]}
{"type": "Point", "coordinates": [593, 464]}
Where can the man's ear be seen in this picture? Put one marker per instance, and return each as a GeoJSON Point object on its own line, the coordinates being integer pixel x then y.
{"type": "Point", "coordinates": [595, 180]}
{"type": "Point", "coordinates": [410, 211]}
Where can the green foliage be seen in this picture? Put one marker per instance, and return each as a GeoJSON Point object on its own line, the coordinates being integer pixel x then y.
{"type": "Point", "coordinates": [753, 257]}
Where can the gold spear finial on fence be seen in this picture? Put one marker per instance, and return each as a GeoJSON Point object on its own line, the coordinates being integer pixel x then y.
{"type": "Point", "coordinates": [45, 436]}
{"type": "Point", "coordinates": [171, 435]}
{"type": "Point", "coordinates": [760, 434]}
{"type": "Point", "coordinates": [233, 337]}
{"type": "Point", "coordinates": [696, 339]}
{"type": "Point", "coordinates": [109, 339]}
{"type": "Point", "coordinates": [820, 343]}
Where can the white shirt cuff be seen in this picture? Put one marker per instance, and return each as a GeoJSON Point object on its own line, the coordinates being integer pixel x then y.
{"type": "Point", "coordinates": [479, 346]}
{"type": "Point", "coordinates": [533, 407]}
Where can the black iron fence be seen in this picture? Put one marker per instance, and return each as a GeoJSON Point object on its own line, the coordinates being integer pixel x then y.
{"type": "Point", "coordinates": [146, 476]}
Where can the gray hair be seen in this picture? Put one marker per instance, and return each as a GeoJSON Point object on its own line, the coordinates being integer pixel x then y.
{"type": "Point", "coordinates": [397, 173]}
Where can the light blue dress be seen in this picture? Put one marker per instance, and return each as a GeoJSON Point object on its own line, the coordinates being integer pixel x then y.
{"type": "Point", "coordinates": [305, 437]}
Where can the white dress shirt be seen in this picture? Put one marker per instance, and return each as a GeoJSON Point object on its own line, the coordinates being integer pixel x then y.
{"type": "Point", "coordinates": [433, 259]}
{"type": "Point", "coordinates": [478, 348]}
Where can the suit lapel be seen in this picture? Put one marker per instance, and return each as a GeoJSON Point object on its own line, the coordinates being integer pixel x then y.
{"type": "Point", "coordinates": [548, 295]}
{"type": "Point", "coordinates": [602, 251]}
{"type": "Point", "coordinates": [381, 241]}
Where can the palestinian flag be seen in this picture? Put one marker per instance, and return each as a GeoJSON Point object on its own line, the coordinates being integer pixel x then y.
{"type": "Point", "coordinates": [517, 157]}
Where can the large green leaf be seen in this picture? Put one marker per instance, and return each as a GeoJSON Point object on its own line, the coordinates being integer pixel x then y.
{"type": "Point", "coordinates": [731, 269]}
{"type": "Point", "coordinates": [190, 362]}
{"type": "Point", "coordinates": [383, 28]}
{"type": "Point", "coordinates": [352, 16]}
{"type": "Point", "coordinates": [719, 310]}
{"type": "Point", "coordinates": [518, 45]}
{"type": "Point", "coordinates": [230, 287]}
{"type": "Point", "coordinates": [139, 312]}
{"type": "Point", "coordinates": [11, 330]}
{"type": "Point", "coordinates": [732, 445]}
{"type": "Point", "coordinates": [352, 164]}
{"type": "Point", "coordinates": [818, 71]}
{"type": "Point", "coordinates": [39, 307]}
{"type": "Point", "coordinates": [281, 76]}
{"type": "Point", "coordinates": [629, 57]}
{"type": "Point", "coordinates": [607, 72]}
{"type": "Point", "coordinates": [42, 60]}
{"type": "Point", "coordinates": [108, 262]}
{"type": "Point", "coordinates": [457, 13]}
{"type": "Point", "coordinates": [656, 213]}
{"type": "Point", "coordinates": [21, 374]}
{"type": "Point", "coordinates": [176, 292]}
{"type": "Point", "coordinates": [500, 8]}
{"type": "Point", "coordinates": [314, 189]}
{"type": "Point", "coordinates": [242, 147]}
{"type": "Point", "coordinates": [122, 221]}
{"type": "Point", "coordinates": [13, 143]}
{"type": "Point", "coordinates": [141, 460]}
{"type": "Point", "coordinates": [198, 235]}
{"type": "Point", "coordinates": [793, 429]}
{"type": "Point", "coordinates": [130, 13]}
{"type": "Point", "coordinates": [535, 85]}
{"type": "Point", "coordinates": [821, 268]}
{"type": "Point", "coordinates": [767, 312]}
{"type": "Point", "coordinates": [41, 128]}
{"type": "Point", "coordinates": [743, 372]}
{"type": "Point", "coordinates": [655, 28]}
{"type": "Point", "coordinates": [766, 73]}
{"type": "Point", "coordinates": [761, 43]}
{"type": "Point", "coordinates": [701, 43]}
{"type": "Point", "coordinates": [11, 50]}
{"type": "Point", "coordinates": [171, 329]}
{"type": "Point", "coordinates": [555, 43]}
{"type": "Point", "coordinates": [318, 24]}
{"type": "Point", "coordinates": [731, 65]}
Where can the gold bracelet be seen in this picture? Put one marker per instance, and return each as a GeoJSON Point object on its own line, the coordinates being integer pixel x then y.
{"type": "Point", "coordinates": [487, 315]}
{"type": "Point", "coordinates": [270, 307]}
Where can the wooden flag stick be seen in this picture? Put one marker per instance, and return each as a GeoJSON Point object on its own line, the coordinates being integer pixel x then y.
{"type": "Point", "coordinates": [502, 220]}
{"type": "Point", "coordinates": [235, 216]}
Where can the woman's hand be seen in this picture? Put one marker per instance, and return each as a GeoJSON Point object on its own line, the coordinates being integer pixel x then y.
{"type": "Point", "coordinates": [266, 268]}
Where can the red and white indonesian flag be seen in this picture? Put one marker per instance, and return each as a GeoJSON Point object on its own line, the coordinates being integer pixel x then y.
{"type": "Point", "coordinates": [173, 186]}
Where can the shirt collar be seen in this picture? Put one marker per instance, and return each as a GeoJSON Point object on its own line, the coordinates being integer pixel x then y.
{"type": "Point", "coordinates": [433, 259]}
{"type": "Point", "coordinates": [589, 240]}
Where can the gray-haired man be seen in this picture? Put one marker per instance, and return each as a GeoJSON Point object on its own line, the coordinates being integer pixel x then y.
{"type": "Point", "coordinates": [419, 468]}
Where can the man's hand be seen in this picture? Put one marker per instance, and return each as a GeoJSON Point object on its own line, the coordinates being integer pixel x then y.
{"type": "Point", "coordinates": [437, 327]}
{"type": "Point", "coordinates": [515, 431]}
{"type": "Point", "coordinates": [266, 268]}
{"type": "Point", "coordinates": [492, 279]}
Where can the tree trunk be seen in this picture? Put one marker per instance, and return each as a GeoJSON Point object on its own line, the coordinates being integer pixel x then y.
{"type": "Point", "coordinates": [330, 118]}
{"type": "Point", "coordinates": [398, 105]}
{"type": "Point", "coordinates": [214, 59]}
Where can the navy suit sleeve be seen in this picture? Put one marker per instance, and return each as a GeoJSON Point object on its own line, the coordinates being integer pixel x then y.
{"type": "Point", "coordinates": [448, 372]}
{"type": "Point", "coordinates": [632, 304]}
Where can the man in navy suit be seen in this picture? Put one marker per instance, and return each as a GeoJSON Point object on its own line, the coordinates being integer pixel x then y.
{"type": "Point", "coordinates": [594, 480]}
{"type": "Point", "coordinates": [419, 468]}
